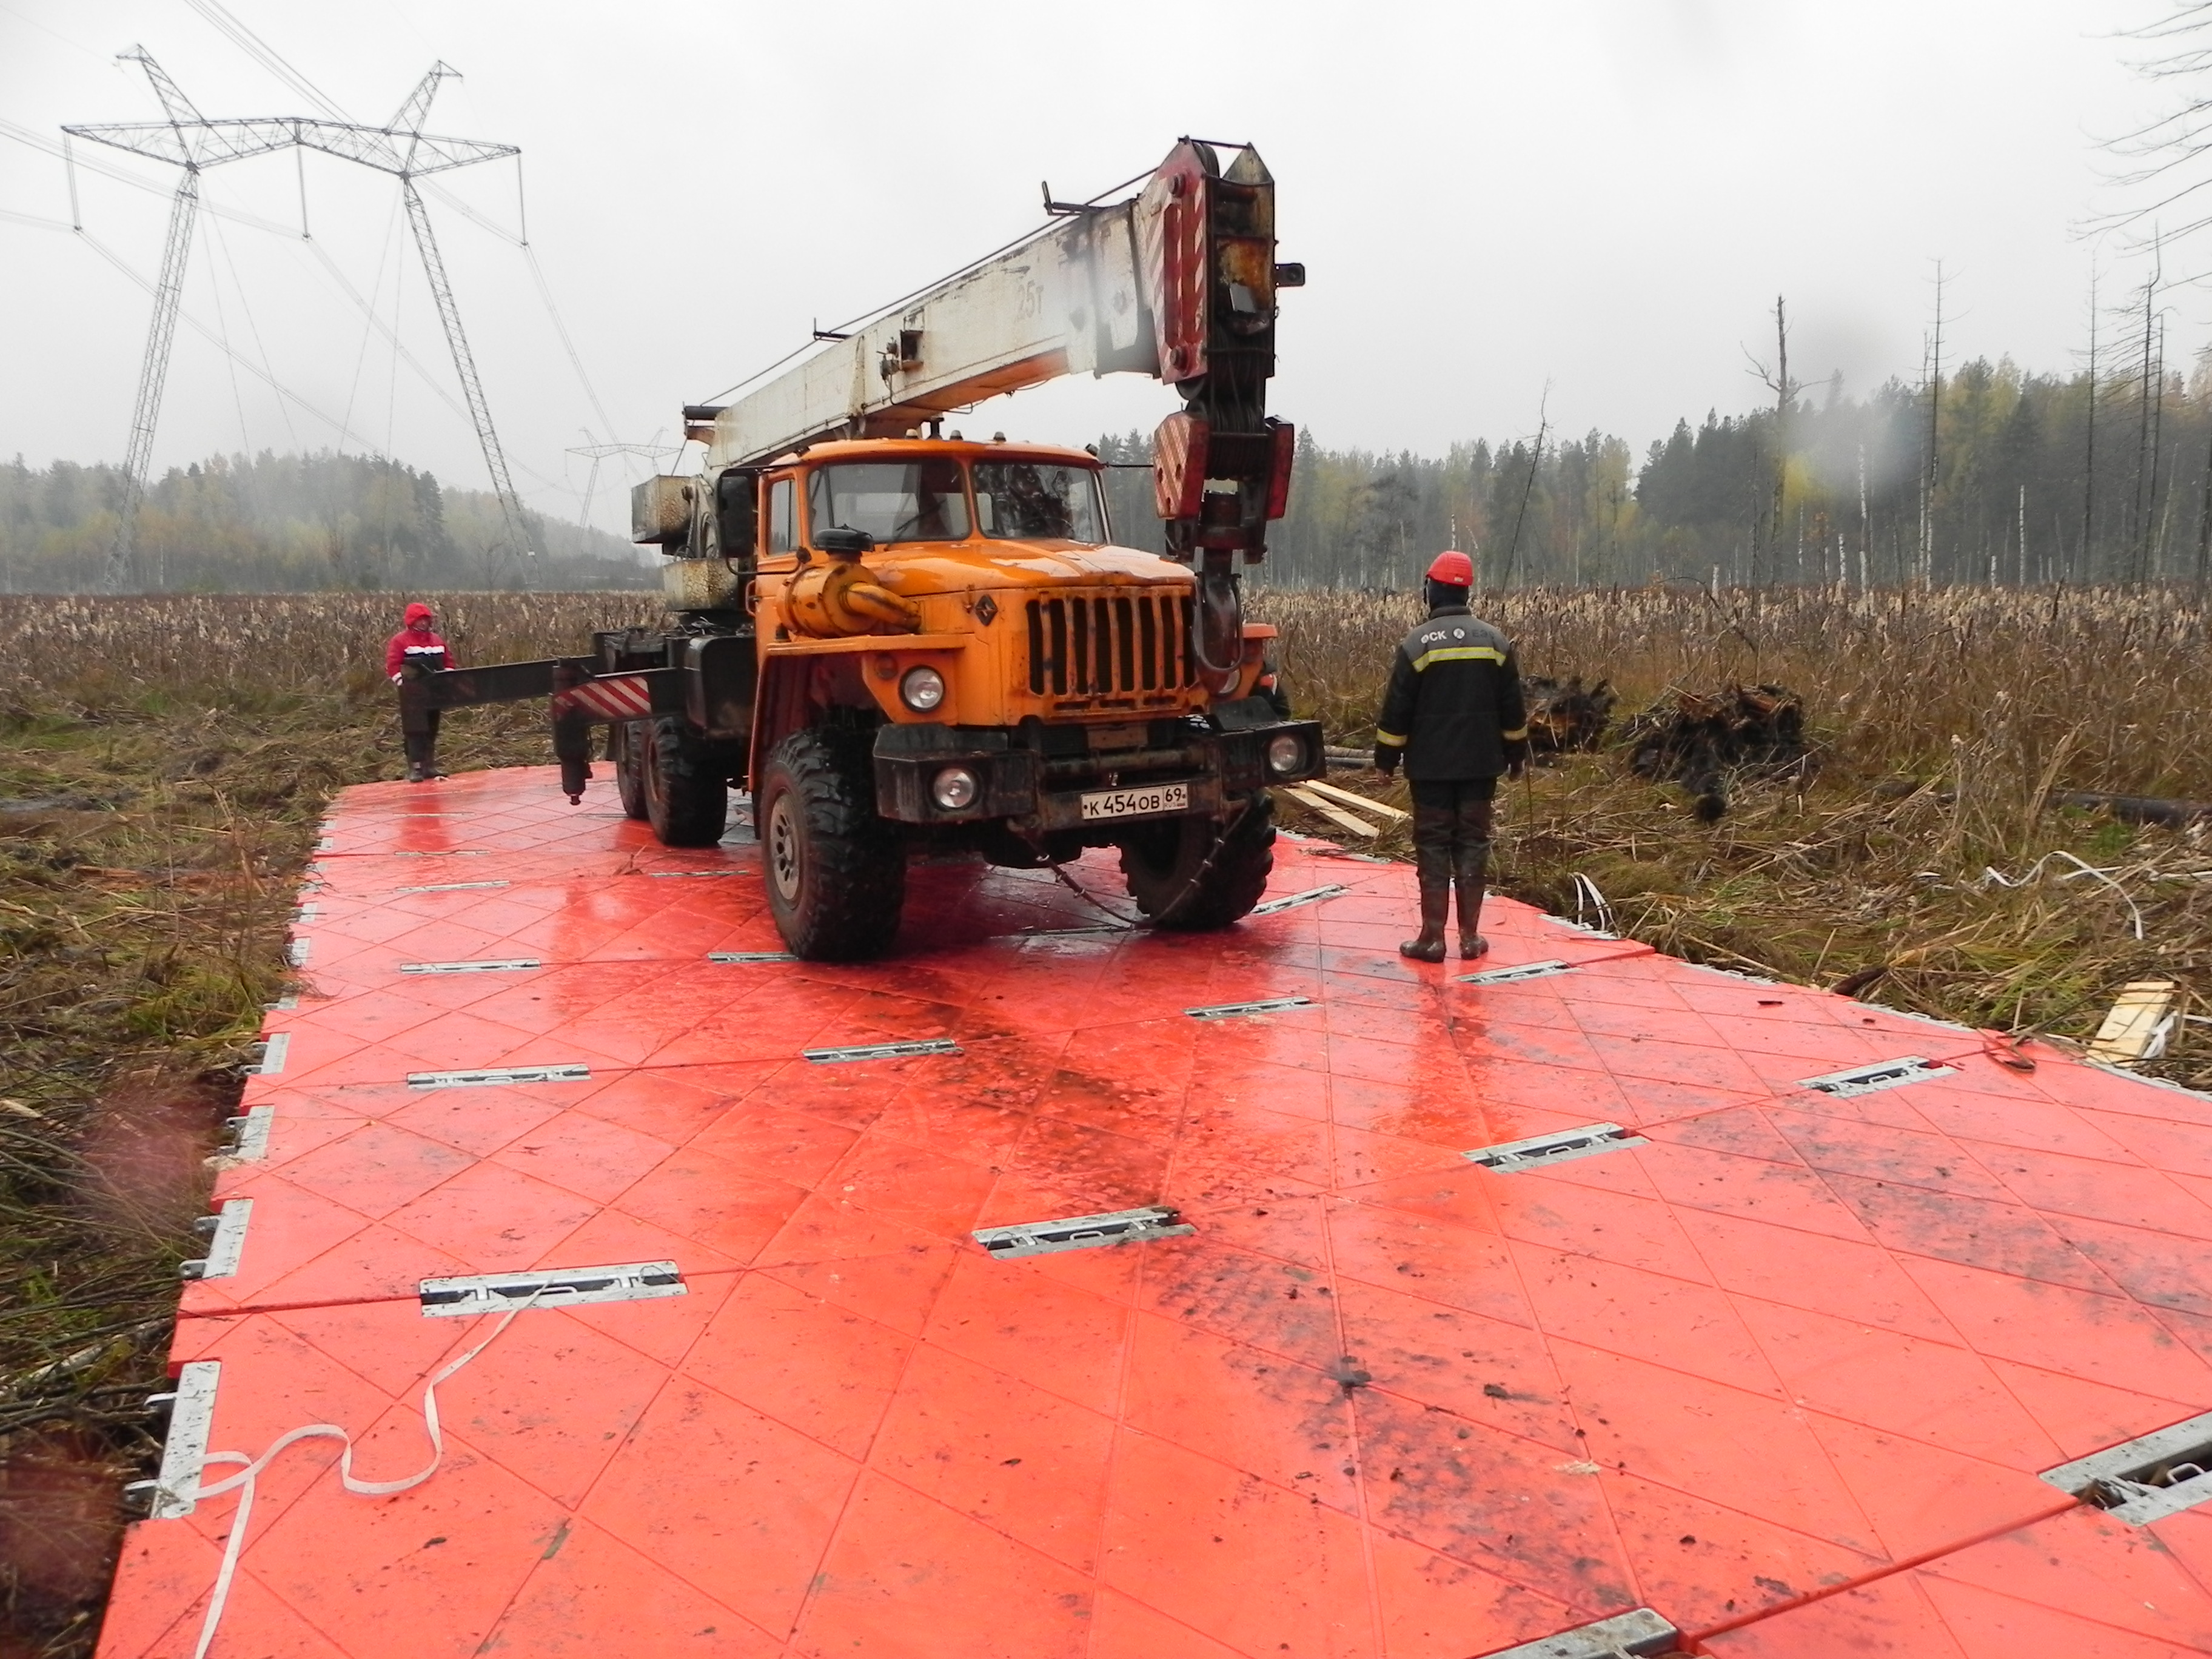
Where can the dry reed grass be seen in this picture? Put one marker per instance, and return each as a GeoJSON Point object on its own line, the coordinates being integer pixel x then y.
{"type": "Point", "coordinates": [1923, 865]}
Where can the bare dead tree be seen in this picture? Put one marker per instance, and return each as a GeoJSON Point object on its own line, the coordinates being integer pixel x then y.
{"type": "Point", "coordinates": [1777, 380]}
{"type": "Point", "coordinates": [2171, 155]}
{"type": "Point", "coordinates": [1931, 463]}
{"type": "Point", "coordinates": [2169, 171]}
{"type": "Point", "coordinates": [2089, 439]}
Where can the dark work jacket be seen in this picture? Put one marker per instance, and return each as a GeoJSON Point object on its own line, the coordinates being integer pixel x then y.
{"type": "Point", "coordinates": [1455, 699]}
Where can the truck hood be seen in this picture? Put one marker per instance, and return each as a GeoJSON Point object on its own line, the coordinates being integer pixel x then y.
{"type": "Point", "coordinates": [954, 568]}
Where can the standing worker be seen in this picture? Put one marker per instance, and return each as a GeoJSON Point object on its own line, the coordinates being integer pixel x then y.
{"type": "Point", "coordinates": [417, 647]}
{"type": "Point", "coordinates": [1453, 713]}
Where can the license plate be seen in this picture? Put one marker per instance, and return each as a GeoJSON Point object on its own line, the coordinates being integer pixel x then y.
{"type": "Point", "coordinates": [1135, 803]}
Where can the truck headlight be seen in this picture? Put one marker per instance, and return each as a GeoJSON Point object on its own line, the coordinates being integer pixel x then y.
{"type": "Point", "coordinates": [922, 690]}
{"type": "Point", "coordinates": [955, 787]}
{"type": "Point", "coordinates": [1286, 755]}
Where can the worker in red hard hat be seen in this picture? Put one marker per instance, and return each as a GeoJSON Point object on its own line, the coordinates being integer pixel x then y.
{"type": "Point", "coordinates": [1454, 714]}
{"type": "Point", "coordinates": [416, 648]}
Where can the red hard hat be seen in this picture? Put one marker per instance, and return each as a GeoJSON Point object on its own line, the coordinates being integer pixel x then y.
{"type": "Point", "coordinates": [1453, 568]}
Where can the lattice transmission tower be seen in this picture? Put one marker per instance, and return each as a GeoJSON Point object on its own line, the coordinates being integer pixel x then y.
{"type": "Point", "coordinates": [189, 140]}
{"type": "Point", "coordinates": [597, 452]}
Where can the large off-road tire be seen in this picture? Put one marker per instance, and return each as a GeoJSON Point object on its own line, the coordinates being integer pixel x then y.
{"type": "Point", "coordinates": [1166, 866]}
{"type": "Point", "coordinates": [835, 872]}
{"type": "Point", "coordinates": [686, 799]}
{"type": "Point", "coordinates": [626, 749]}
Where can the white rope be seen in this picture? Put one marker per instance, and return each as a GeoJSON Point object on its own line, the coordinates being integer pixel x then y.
{"type": "Point", "coordinates": [243, 1481]}
{"type": "Point", "coordinates": [2080, 870]}
{"type": "Point", "coordinates": [1599, 908]}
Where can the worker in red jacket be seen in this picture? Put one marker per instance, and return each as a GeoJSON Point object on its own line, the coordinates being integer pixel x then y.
{"type": "Point", "coordinates": [417, 647]}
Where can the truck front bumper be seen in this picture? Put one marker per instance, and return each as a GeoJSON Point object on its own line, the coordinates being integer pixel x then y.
{"type": "Point", "coordinates": [920, 767]}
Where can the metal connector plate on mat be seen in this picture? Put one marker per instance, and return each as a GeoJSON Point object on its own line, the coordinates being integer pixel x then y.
{"type": "Point", "coordinates": [1515, 974]}
{"type": "Point", "coordinates": [1625, 1636]}
{"type": "Point", "coordinates": [183, 1453]}
{"type": "Point", "coordinates": [496, 1075]}
{"type": "Point", "coordinates": [272, 1056]}
{"type": "Point", "coordinates": [1732, 973]}
{"type": "Point", "coordinates": [751, 956]}
{"type": "Point", "coordinates": [1579, 927]}
{"type": "Point", "coordinates": [252, 1143]}
{"type": "Point", "coordinates": [1083, 1231]}
{"type": "Point", "coordinates": [549, 1287]}
{"type": "Point", "coordinates": [450, 887]}
{"type": "Point", "coordinates": [1291, 901]}
{"type": "Point", "coordinates": [1232, 1010]}
{"type": "Point", "coordinates": [1882, 1074]}
{"type": "Point", "coordinates": [2162, 1474]}
{"type": "Point", "coordinates": [882, 1051]}
{"type": "Point", "coordinates": [509, 965]}
{"type": "Point", "coordinates": [1511, 1157]}
{"type": "Point", "coordinates": [227, 1244]}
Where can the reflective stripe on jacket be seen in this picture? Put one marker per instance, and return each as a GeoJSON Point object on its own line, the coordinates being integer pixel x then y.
{"type": "Point", "coordinates": [421, 644]}
{"type": "Point", "coordinates": [1453, 700]}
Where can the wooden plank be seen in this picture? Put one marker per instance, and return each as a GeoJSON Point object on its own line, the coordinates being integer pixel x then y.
{"type": "Point", "coordinates": [1335, 815]}
{"type": "Point", "coordinates": [1358, 803]}
{"type": "Point", "coordinates": [2137, 1025]}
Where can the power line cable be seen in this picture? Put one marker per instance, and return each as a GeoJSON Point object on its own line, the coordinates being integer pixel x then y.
{"type": "Point", "coordinates": [259, 345]}
{"type": "Point", "coordinates": [202, 329]}
{"type": "Point", "coordinates": [223, 322]}
{"type": "Point", "coordinates": [264, 54]}
{"type": "Point", "coordinates": [375, 293]}
{"type": "Point", "coordinates": [92, 164]}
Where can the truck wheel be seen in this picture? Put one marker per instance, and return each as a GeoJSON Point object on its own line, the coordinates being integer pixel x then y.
{"type": "Point", "coordinates": [686, 800]}
{"type": "Point", "coordinates": [836, 870]}
{"type": "Point", "coordinates": [625, 747]}
{"type": "Point", "coordinates": [1163, 864]}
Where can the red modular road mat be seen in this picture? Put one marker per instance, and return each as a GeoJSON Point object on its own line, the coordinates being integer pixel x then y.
{"type": "Point", "coordinates": [1778, 1350]}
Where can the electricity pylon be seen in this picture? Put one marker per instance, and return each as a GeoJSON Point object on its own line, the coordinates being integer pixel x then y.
{"type": "Point", "coordinates": [598, 452]}
{"type": "Point", "coordinates": [187, 139]}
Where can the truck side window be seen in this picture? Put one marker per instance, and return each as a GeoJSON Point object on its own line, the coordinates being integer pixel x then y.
{"type": "Point", "coordinates": [782, 519]}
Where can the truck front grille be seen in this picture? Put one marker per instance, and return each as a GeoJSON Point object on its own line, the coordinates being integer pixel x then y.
{"type": "Point", "coordinates": [1107, 645]}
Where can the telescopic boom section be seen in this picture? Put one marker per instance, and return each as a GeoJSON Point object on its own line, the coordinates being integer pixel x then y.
{"type": "Point", "coordinates": [1177, 283]}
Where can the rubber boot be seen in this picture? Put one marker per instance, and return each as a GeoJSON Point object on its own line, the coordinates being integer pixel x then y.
{"type": "Point", "coordinates": [1433, 843]}
{"type": "Point", "coordinates": [431, 773]}
{"type": "Point", "coordinates": [1470, 867]}
{"type": "Point", "coordinates": [413, 741]}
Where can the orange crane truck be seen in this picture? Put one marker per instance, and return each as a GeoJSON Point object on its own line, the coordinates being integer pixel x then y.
{"type": "Point", "coordinates": [898, 639]}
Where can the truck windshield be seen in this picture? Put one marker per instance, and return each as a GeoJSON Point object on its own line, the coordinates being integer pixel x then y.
{"type": "Point", "coordinates": [893, 502]}
{"type": "Point", "coordinates": [1034, 499]}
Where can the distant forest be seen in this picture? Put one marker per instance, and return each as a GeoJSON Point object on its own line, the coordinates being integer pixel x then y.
{"type": "Point", "coordinates": [1998, 478]}
{"type": "Point", "coordinates": [283, 523]}
{"type": "Point", "coordinates": [2035, 479]}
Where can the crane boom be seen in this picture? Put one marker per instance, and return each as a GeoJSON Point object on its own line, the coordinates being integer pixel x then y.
{"type": "Point", "coordinates": [1062, 302]}
{"type": "Point", "coordinates": [1177, 281]}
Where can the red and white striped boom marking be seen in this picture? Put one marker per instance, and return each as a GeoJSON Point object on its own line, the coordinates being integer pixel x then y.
{"type": "Point", "coordinates": [613, 697]}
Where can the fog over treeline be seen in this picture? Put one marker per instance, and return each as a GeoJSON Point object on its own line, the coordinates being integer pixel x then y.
{"type": "Point", "coordinates": [2035, 478]}
{"type": "Point", "coordinates": [2017, 478]}
{"type": "Point", "coordinates": [271, 523]}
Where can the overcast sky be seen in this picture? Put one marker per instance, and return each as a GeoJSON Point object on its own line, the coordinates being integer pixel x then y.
{"type": "Point", "coordinates": [1599, 196]}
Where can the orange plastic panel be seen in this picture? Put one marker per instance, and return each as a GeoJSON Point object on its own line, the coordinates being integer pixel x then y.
{"type": "Point", "coordinates": [1783, 1363]}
